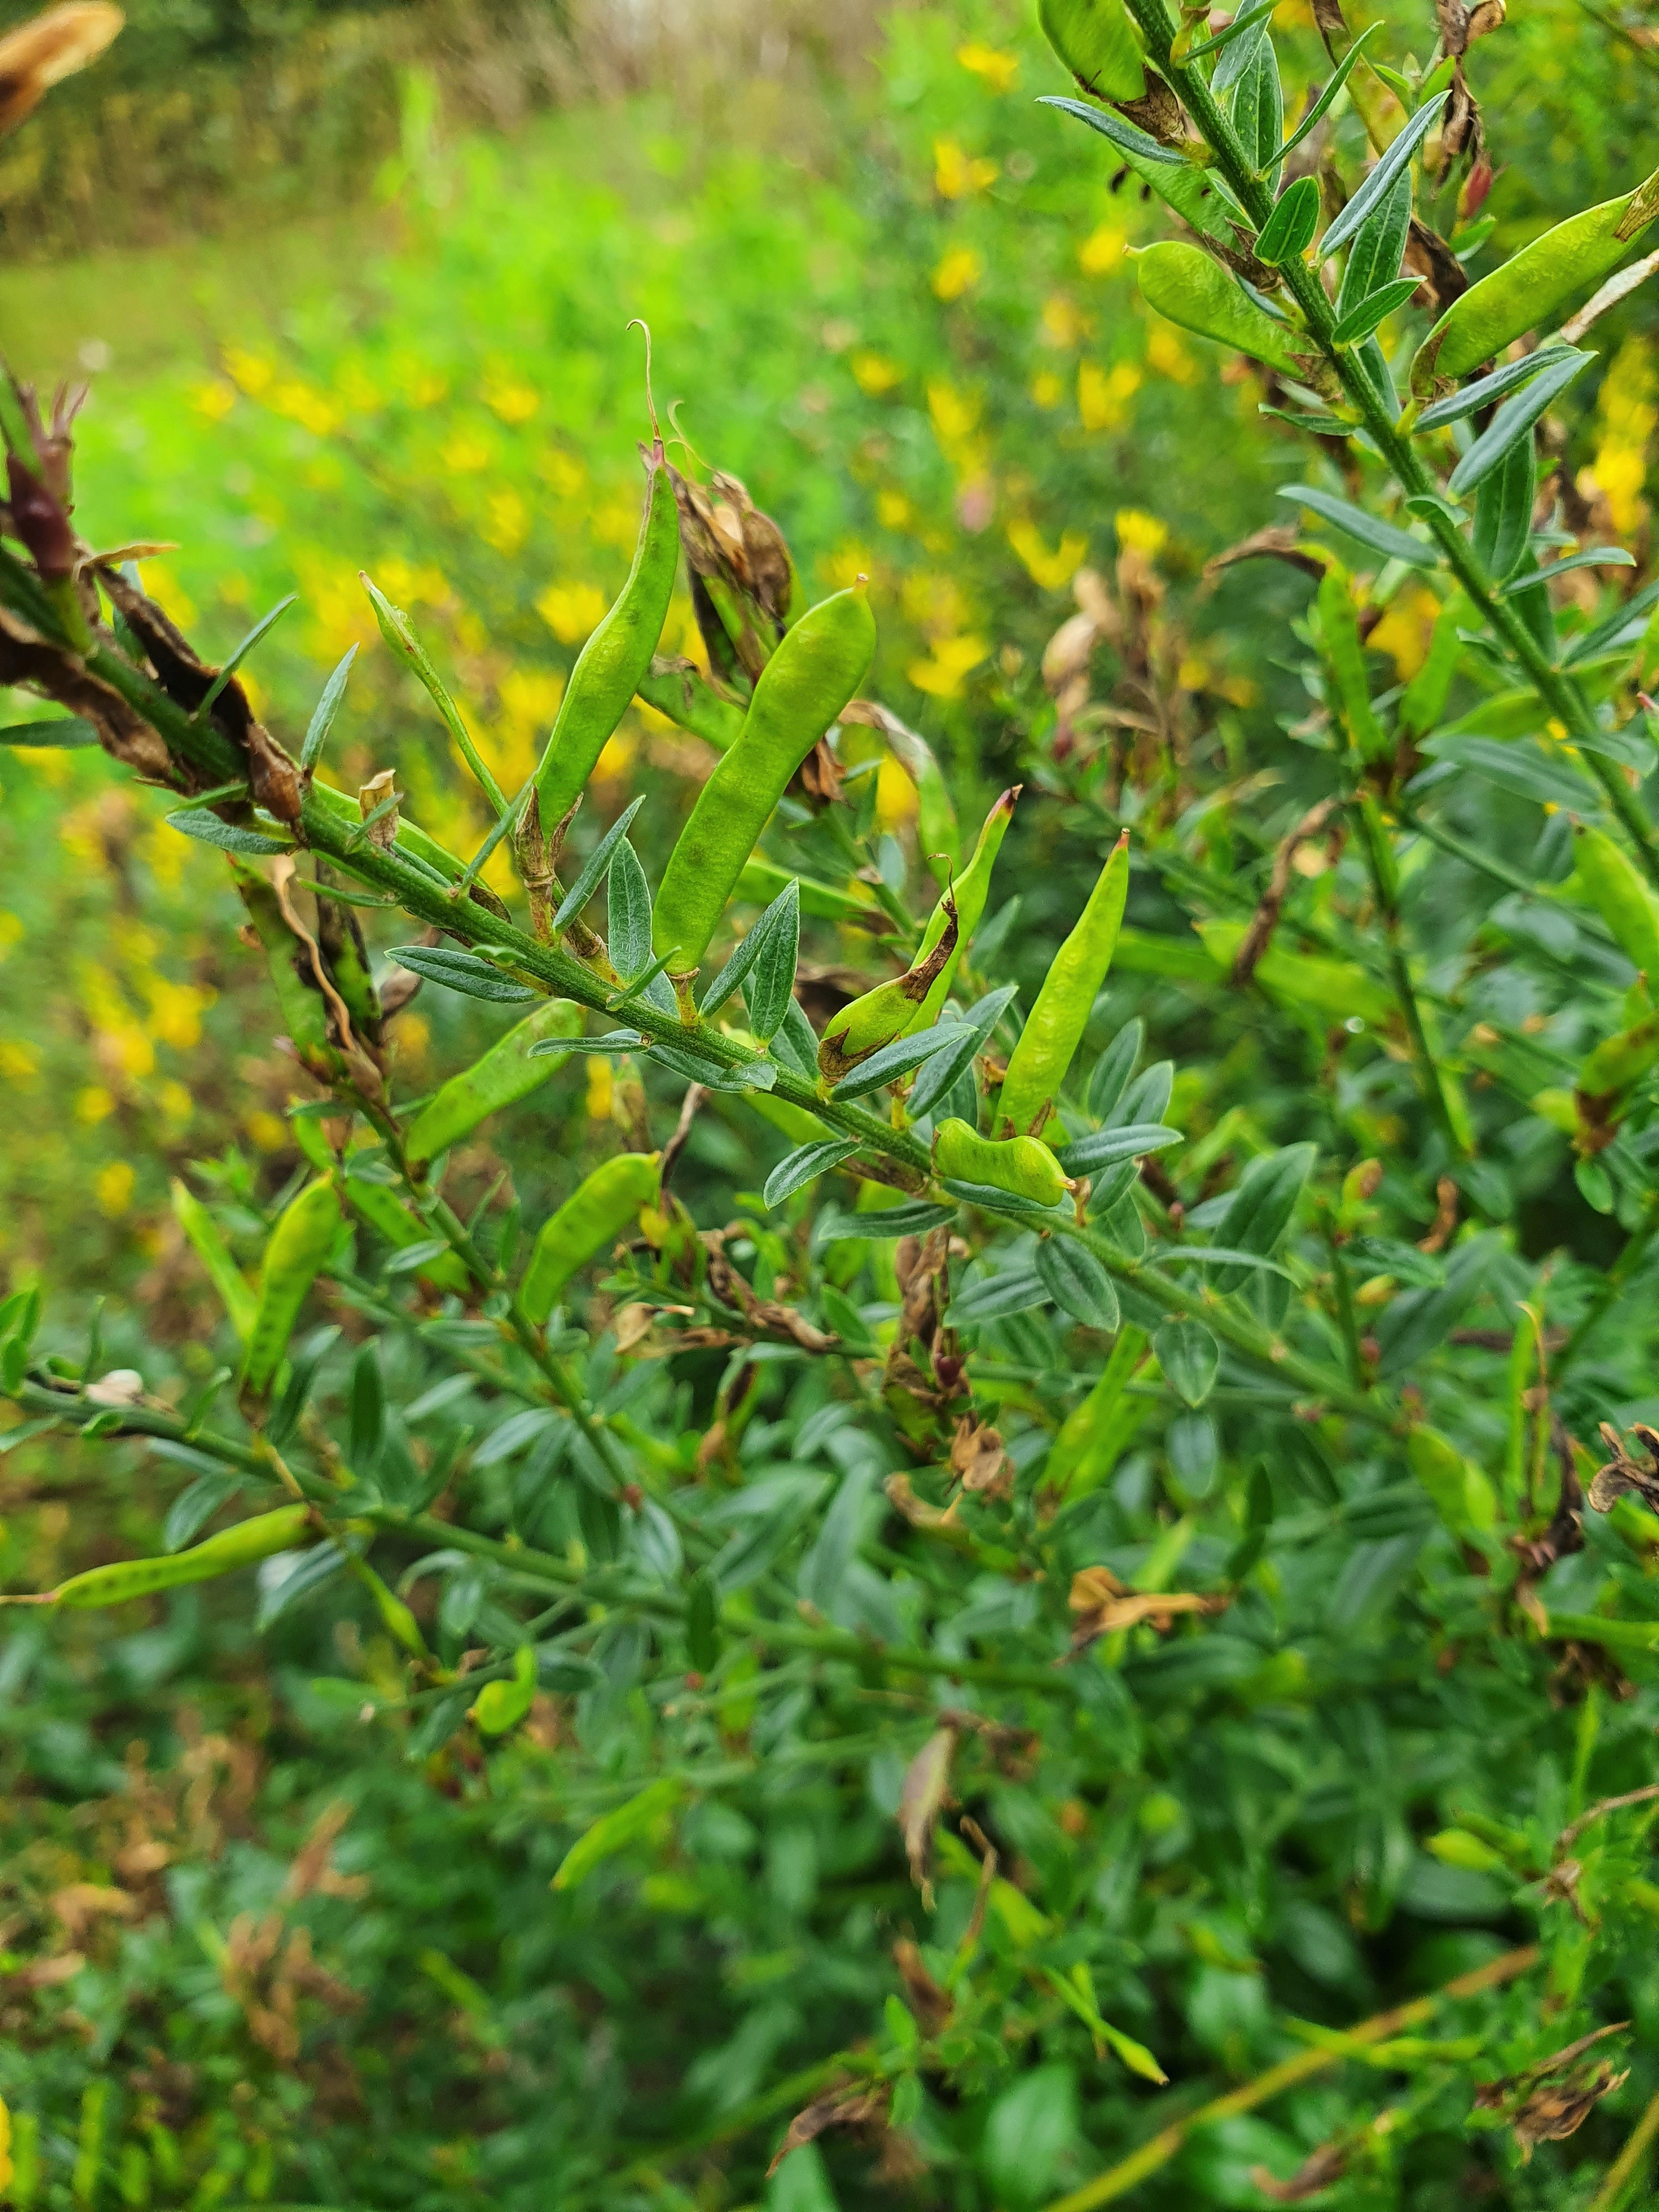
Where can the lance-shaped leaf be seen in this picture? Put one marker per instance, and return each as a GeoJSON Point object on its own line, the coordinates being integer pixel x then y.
{"type": "Point", "coordinates": [1486, 390]}
{"type": "Point", "coordinates": [1017, 1291]}
{"type": "Point", "coordinates": [1077, 1282]}
{"type": "Point", "coordinates": [805, 1165]}
{"type": "Point", "coordinates": [900, 1057]}
{"type": "Point", "coordinates": [629, 915]}
{"type": "Point", "coordinates": [1514, 420]}
{"type": "Point", "coordinates": [769, 986]}
{"type": "Point", "coordinates": [1316, 114]}
{"type": "Point", "coordinates": [229, 836]}
{"type": "Point", "coordinates": [594, 869]}
{"type": "Point", "coordinates": [322, 720]}
{"type": "Point", "coordinates": [942, 1071]}
{"type": "Point", "coordinates": [1379, 537]}
{"type": "Point", "coordinates": [1189, 1357]}
{"type": "Point", "coordinates": [1124, 135]}
{"type": "Point", "coordinates": [1393, 164]}
{"type": "Point", "coordinates": [461, 971]}
{"type": "Point", "coordinates": [1362, 320]}
{"type": "Point", "coordinates": [775, 916]}
{"type": "Point", "coordinates": [1107, 1146]}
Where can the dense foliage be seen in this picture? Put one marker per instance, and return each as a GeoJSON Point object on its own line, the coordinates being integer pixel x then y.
{"type": "Point", "coordinates": [888, 1649]}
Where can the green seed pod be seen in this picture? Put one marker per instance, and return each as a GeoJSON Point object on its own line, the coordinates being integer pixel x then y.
{"type": "Point", "coordinates": [640, 1815]}
{"type": "Point", "coordinates": [505, 1074]}
{"type": "Point", "coordinates": [1332, 989]}
{"type": "Point", "coordinates": [259, 1539]}
{"type": "Point", "coordinates": [1618, 1062]}
{"type": "Point", "coordinates": [1053, 1028]}
{"type": "Point", "coordinates": [1185, 286]}
{"type": "Point", "coordinates": [761, 882]}
{"type": "Point", "coordinates": [803, 687]}
{"type": "Point", "coordinates": [228, 1278]}
{"type": "Point", "coordinates": [300, 1243]}
{"type": "Point", "coordinates": [502, 1705]}
{"type": "Point", "coordinates": [1096, 41]}
{"type": "Point", "coordinates": [396, 1618]}
{"type": "Point", "coordinates": [1024, 1165]}
{"type": "Point", "coordinates": [617, 658]}
{"type": "Point", "coordinates": [1531, 285]}
{"type": "Point", "coordinates": [1621, 896]}
{"type": "Point", "coordinates": [678, 689]}
{"type": "Point", "coordinates": [970, 890]}
{"type": "Point", "coordinates": [912, 1001]}
{"type": "Point", "coordinates": [592, 1218]}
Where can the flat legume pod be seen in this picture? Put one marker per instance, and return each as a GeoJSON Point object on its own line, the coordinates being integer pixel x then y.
{"type": "Point", "coordinates": [1053, 1028]}
{"type": "Point", "coordinates": [298, 1245]}
{"type": "Point", "coordinates": [1531, 285]}
{"type": "Point", "coordinates": [1187, 288]}
{"type": "Point", "coordinates": [592, 1218]}
{"type": "Point", "coordinates": [1024, 1165]}
{"type": "Point", "coordinates": [617, 658]}
{"type": "Point", "coordinates": [262, 1538]}
{"type": "Point", "coordinates": [1096, 41]}
{"type": "Point", "coordinates": [506, 1073]}
{"type": "Point", "coordinates": [803, 686]}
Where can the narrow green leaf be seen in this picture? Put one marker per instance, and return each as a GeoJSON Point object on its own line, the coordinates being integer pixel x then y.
{"type": "Point", "coordinates": [1486, 389]}
{"type": "Point", "coordinates": [751, 948]}
{"type": "Point", "coordinates": [770, 987]}
{"type": "Point", "coordinates": [1290, 229]}
{"type": "Point", "coordinates": [1339, 77]}
{"type": "Point", "coordinates": [1017, 1291]}
{"type": "Point", "coordinates": [1090, 1154]}
{"type": "Point", "coordinates": [229, 836]}
{"type": "Point", "coordinates": [1189, 1357]}
{"type": "Point", "coordinates": [941, 1073]}
{"type": "Point", "coordinates": [1241, 23]}
{"type": "Point", "coordinates": [593, 871]}
{"type": "Point", "coordinates": [1360, 321]}
{"type": "Point", "coordinates": [1514, 420]}
{"type": "Point", "coordinates": [1124, 135]}
{"type": "Point", "coordinates": [1381, 179]}
{"type": "Point", "coordinates": [66, 730]}
{"type": "Point", "coordinates": [1077, 1282]}
{"type": "Point", "coordinates": [899, 1058]}
{"type": "Point", "coordinates": [266, 622]}
{"type": "Point", "coordinates": [1598, 557]}
{"type": "Point", "coordinates": [464, 972]}
{"type": "Point", "coordinates": [328, 706]}
{"type": "Point", "coordinates": [627, 916]}
{"type": "Point", "coordinates": [804, 1166]}
{"type": "Point", "coordinates": [1379, 537]}
{"type": "Point", "coordinates": [1502, 511]}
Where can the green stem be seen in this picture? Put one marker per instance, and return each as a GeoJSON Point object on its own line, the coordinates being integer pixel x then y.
{"type": "Point", "coordinates": [1557, 692]}
{"type": "Point", "coordinates": [1379, 866]}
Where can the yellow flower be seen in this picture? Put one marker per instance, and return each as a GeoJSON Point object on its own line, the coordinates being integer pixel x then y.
{"type": "Point", "coordinates": [1101, 250]}
{"type": "Point", "coordinates": [958, 272]}
{"type": "Point", "coordinates": [507, 522]}
{"type": "Point", "coordinates": [112, 1187]}
{"type": "Point", "coordinates": [513, 402]}
{"type": "Point", "coordinates": [312, 410]}
{"type": "Point", "coordinates": [571, 611]}
{"type": "Point", "coordinates": [1145, 534]}
{"type": "Point", "coordinates": [1405, 628]}
{"type": "Point", "coordinates": [94, 1105]}
{"type": "Point", "coordinates": [467, 454]}
{"type": "Point", "coordinates": [942, 676]}
{"type": "Point", "coordinates": [1628, 416]}
{"type": "Point", "coordinates": [176, 1103]}
{"type": "Point", "coordinates": [955, 414]}
{"type": "Point", "coordinates": [1062, 325]}
{"type": "Point", "coordinates": [5, 2146]}
{"type": "Point", "coordinates": [268, 1131]}
{"type": "Point", "coordinates": [11, 931]}
{"type": "Point", "coordinates": [213, 399]}
{"type": "Point", "coordinates": [1046, 390]}
{"type": "Point", "coordinates": [995, 68]}
{"type": "Point", "coordinates": [894, 511]}
{"type": "Point", "coordinates": [176, 1010]}
{"type": "Point", "coordinates": [18, 1063]}
{"type": "Point", "coordinates": [1053, 571]}
{"type": "Point", "coordinates": [600, 1088]}
{"type": "Point", "coordinates": [842, 569]}
{"type": "Point", "coordinates": [1104, 396]}
{"type": "Point", "coordinates": [874, 373]}
{"type": "Point", "coordinates": [960, 176]}
{"type": "Point", "coordinates": [898, 801]}
{"type": "Point", "coordinates": [565, 472]}
{"type": "Point", "coordinates": [1169, 357]}
{"type": "Point", "coordinates": [250, 371]}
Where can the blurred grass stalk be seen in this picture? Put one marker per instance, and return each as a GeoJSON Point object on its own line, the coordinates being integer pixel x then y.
{"type": "Point", "coordinates": [277, 131]}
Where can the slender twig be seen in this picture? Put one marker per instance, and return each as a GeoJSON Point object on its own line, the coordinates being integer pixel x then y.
{"type": "Point", "coordinates": [1629, 2164]}
{"type": "Point", "coordinates": [1169, 2141]}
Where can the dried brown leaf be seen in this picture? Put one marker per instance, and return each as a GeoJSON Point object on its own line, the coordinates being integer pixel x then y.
{"type": "Point", "coordinates": [43, 51]}
{"type": "Point", "coordinates": [837, 2108]}
{"type": "Point", "coordinates": [1319, 2170]}
{"type": "Point", "coordinates": [926, 1785]}
{"type": "Point", "coordinates": [979, 1462]}
{"type": "Point", "coordinates": [931, 2004]}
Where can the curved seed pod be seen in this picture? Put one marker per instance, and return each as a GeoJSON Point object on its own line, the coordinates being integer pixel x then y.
{"type": "Point", "coordinates": [1187, 288]}
{"type": "Point", "coordinates": [1531, 285]}
{"type": "Point", "coordinates": [262, 1538]}
{"type": "Point", "coordinates": [1621, 896]}
{"type": "Point", "coordinates": [504, 1073]}
{"type": "Point", "coordinates": [1024, 1165]}
{"type": "Point", "coordinates": [617, 658]}
{"type": "Point", "coordinates": [1096, 42]}
{"type": "Point", "coordinates": [912, 1001]}
{"type": "Point", "coordinates": [298, 1245]}
{"type": "Point", "coordinates": [502, 1705]}
{"type": "Point", "coordinates": [592, 1218]}
{"type": "Point", "coordinates": [855, 1032]}
{"type": "Point", "coordinates": [1618, 1062]}
{"type": "Point", "coordinates": [396, 1617]}
{"type": "Point", "coordinates": [970, 890]}
{"type": "Point", "coordinates": [1053, 1028]}
{"type": "Point", "coordinates": [803, 687]}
